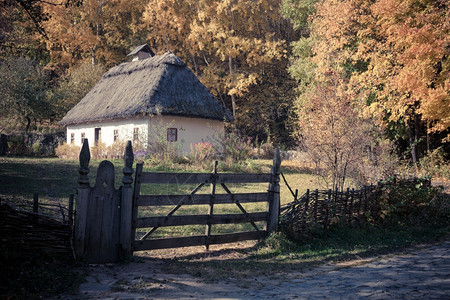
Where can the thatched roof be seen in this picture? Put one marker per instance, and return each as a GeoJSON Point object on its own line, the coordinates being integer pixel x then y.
{"type": "Point", "coordinates": [159, 84]}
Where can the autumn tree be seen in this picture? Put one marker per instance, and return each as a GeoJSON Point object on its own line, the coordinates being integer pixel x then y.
{"type": "Point", "coordinates": [228, 42]}
{"type": "Point", "coordinates": [406, 47]}
{"type": "Point", "coordinates": [103, 31]}
{"type": "Point", "coordinates": [395, 54]}
{"type": "Point", "coordinates": [333, 132]}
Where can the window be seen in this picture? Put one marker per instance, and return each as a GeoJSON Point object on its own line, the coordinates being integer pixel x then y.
{"type": "Point", "coordinates": [72, 138]}
{"type": "Point", "coordinates": [83, 137]}
{"type": "Point", "coordinates": [135, 134]}
{"type": "Point", "coordinates": [172, 134]}
{"type": "Point", "coordinates": [116, 134]}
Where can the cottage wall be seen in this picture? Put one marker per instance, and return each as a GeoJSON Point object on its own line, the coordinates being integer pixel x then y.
{"type": "Point", "coordinates": [124, 127]}
{"type": "Point", "coordinates": [188, 130]}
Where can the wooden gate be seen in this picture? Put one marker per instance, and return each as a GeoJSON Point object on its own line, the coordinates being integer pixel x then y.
{"type": "Point", "coordinates": [107, 218]}
{"type": "Point", "coordinates": [269, 216]}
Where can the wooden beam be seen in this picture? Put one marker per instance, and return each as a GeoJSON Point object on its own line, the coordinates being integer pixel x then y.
{"type": "Point", "coordinates": [192, 178]}
{"type": "Point", "coordinates": [199, 219]}
{"type": "Point", "coordinates": [196, 240]}
{"type": "Point", "coordinates": [200, 199]}
{"type": "Point", "coordinates": [174, 178]}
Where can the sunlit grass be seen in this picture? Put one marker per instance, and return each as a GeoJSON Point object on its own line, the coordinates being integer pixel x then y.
{"type": "Point", "coordinates": [55, 179]}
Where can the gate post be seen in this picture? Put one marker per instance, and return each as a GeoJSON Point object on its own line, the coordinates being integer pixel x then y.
{"type": "Point", "coordinates": [82, 202]}
{"type": "Point", "coordinates": [273, 205]}
{"type": "Point", "coordinates": [126, 204]}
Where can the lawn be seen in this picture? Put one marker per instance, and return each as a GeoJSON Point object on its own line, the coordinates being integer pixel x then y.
{"type": "Point", "coordinates": [55, 179]}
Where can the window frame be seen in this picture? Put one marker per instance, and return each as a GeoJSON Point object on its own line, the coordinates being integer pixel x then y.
{"type": "Point", "coordinates": [172, 134]}
{"type": "Point", "coordinates": [136, 134]}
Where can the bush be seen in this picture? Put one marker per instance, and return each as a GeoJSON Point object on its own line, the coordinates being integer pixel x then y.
{"type": "Point", "coordinates": [435, 164]}
{"type": "Point", "coordinates": [202, 153]}
{"type": "Point", "coordinates": [266, 151]}
{"type": "Point", "coordinates": [413, 202]}
{"type": "Point", "coordinates": [36, 144]}
{"type": "Point", "coordinates": [100, 151]}
{"type": "Point", "coordinates": [231, 145]}
{"type": "Point", "coordinates": [68, 151]}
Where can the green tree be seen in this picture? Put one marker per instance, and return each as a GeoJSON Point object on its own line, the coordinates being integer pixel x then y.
{"type": "Point", "coordinates": [71, 90]}
{"type": "Point", "coordinates": [24, 102]}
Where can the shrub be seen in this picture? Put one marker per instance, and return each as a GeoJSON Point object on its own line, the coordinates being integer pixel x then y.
{"type": "Point", "coordinates": [202, 153]}
{"type": "Point", "coordinates": [435, 164]}
{"type": "Point", "coordinates": [231, 145]}
{"type": "Point", "coordinates": [412, 202]}
{"type": "Point", "coordinates": [68, 151]}
{"type": "Point", "coordinates": [99, 151]}
{"type": "Point", "coordinates": [266, 151]}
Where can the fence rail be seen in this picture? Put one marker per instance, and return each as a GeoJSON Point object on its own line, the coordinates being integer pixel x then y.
{"type": "Point", "coordinates": [269, 217]}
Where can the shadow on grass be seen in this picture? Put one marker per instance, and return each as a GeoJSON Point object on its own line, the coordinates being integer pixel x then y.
{"type": "Point", "coordinates": [279, 255]}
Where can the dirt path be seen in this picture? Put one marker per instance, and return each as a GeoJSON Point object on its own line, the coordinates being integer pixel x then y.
{"type": "Point", "coordinates": [420, 272]}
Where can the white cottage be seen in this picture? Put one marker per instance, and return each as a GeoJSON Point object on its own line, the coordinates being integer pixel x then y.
{"type": "Point", "coordinates": [151, 91]}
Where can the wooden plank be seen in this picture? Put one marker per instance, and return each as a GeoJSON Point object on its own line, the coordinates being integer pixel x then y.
{"type": "Point", "coordinates": [237, 237]}
{"type": "Point", "coordinates": [200, 199]}
{"type": "Point", "coordinates": [169, 243]}
{"type": "Point", "coordinates": [126, 221]}
{"type": "Point", "coordinates": [273, 205]}
{"type": "Point", "coordinates": [196, 240]}
{"type": "Point", "coordinates": [81, 220]}
{"type": "Point", "coordinates": [211, 205]}
{"type": "Point", "coordinates": [243, 178]}
{"type": "Point", "coordinates": [199, 219]}
{"type": "Point", "coordinates": [190, 178]}
{"type": "Point", "coordinates": [136, 191]}
{"type": "Point", "coordinates": [175, 178]}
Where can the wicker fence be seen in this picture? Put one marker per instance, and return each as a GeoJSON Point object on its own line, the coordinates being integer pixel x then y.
{"type": "Point", "coordinates": [32, 228]}
{"type": "Point", "coordinates": [321, 208]}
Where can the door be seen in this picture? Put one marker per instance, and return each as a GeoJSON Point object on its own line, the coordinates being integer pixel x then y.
{"type": "Point", "coordinates": [98, 135]}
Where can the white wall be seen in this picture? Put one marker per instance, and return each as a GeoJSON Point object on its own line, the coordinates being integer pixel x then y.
{"type": "Point", "coordinates": [190, 130]}
{"type": "Point", "coordinates": [124, 126]}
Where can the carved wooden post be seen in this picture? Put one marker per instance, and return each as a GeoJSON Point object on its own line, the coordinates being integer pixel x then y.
{"type": "Point", "coordinates": [126, 205]}
{"type": "Point", "coordinates": [273, 205]}
{"type": "Point", "coordinates": [82, 200]}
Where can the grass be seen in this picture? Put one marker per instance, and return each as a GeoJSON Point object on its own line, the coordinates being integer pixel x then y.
{"type": "Point", "coordinates": [279, 255]}
{"type": "Point", "coordinates": [54, 179]}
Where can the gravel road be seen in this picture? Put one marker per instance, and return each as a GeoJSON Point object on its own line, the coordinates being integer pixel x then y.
{"type": "Point", "coordinates": [418, 273]}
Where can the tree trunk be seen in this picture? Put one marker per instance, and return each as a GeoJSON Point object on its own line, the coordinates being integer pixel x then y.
{"type": "Point", "coordinates": [428, 137]}
{"type": "Point", "coordinates": [233, 97]}
{"type": "Point", "coordinates": [27, 127]}
{"type": "Point", "coordinates": [412, 136]}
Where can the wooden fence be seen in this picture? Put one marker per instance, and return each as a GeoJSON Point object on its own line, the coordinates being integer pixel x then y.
{"type": "Point", "coordinates": [107, 218]}
{"type": "Point", "coordinates": [269, 216]}
{"type": "Point", "coordinates": [320, 209]}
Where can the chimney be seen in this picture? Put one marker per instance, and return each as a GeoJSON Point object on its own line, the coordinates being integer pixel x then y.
{"type": "Point", "coordinates": [141, 52]}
